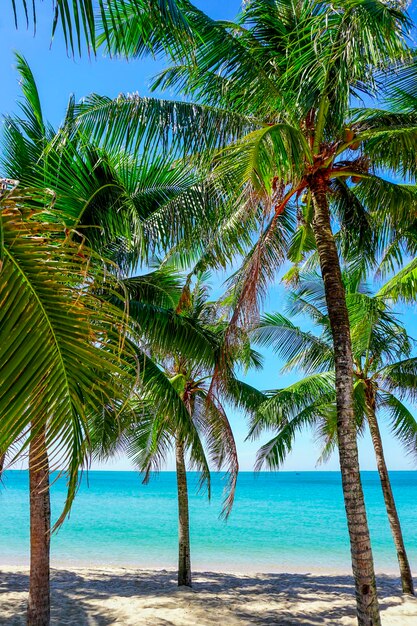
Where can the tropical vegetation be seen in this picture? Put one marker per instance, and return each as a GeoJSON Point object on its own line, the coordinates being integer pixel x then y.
{"type": "Point", "coordinates": [95, 210]}
{"type": "Point", "coordinates": [208, 437]}
{"type": "Point", "coordinates": [384, 376]}
{"type": "Point", "coordinates": [290, 143]}
{"type": "Point", "coordinates": [276, 117]}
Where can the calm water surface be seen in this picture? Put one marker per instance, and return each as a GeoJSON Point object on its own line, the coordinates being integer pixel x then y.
{"type": "Point", "coordinates": [283, 521]}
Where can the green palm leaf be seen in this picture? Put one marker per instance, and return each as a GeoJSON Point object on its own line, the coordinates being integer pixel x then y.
{"type": "Point", "coordinates": [274, 453]}
{"type": "Point", "coordinates": [403, 285]}
{"type": "Point", "coordinates": [283, 405]}
{"type": "Point", "coordinates": [78, 18]}
{"type": "Point", "coordinates": [400, 378]}
{"type": "Point", "coordinates": [296, 347]}
{"type": "Point", "coordinates": [62, 354]}
{"type": "Point", "coordinates": [403, 422]}
{"type": "Point", "coordinates": [132, 122]}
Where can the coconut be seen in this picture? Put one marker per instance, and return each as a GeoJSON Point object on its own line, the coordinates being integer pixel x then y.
{"type": "Point", "coordinates": [348, 135]}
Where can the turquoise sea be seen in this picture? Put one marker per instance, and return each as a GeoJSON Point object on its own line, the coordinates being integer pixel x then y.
{"type": "Point", "coordinates": [281, 521]}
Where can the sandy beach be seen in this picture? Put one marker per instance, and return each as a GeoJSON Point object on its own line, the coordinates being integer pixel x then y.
{"type": "Point", "coordinates": [130, 597]}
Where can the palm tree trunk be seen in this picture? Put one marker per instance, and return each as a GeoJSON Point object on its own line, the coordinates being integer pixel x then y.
{"type": "Point", "coordinates": [184, 560]}
{"type": "Point", "coordinates": [360, 544]}
{"type": "Point", "coordinates": [394, 520]}
{"type": "Point", "coordinates": [2, 460]}
{"type": "Point", "coordinates": [38, 613]}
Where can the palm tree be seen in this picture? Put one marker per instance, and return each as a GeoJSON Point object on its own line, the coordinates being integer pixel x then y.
{"type": "Point", "coordinates": [273, 119]}
{"type": "Point", "coordinates": [76, 187]}
{"type": "Point", "coordinates": [384, 375]}
{"type": "Point", "coordinates": [150, 439]}
{"type": "Point", "coordinates": [50, 316]}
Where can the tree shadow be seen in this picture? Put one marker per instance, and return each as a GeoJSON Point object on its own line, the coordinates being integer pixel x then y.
{"type": "Point", "coordinates": [67, 607]}
{"type": "Point", "coordinates": [100, 597]}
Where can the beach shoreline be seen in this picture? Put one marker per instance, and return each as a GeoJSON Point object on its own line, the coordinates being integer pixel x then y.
{"type": "Point", "coordinates": [221, 568]}
{"type": "Point", "coordinates": [104, 596]}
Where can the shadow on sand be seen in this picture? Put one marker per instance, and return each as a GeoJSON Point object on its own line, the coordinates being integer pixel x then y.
{"type": "Point", "coordinates": [101, 597]}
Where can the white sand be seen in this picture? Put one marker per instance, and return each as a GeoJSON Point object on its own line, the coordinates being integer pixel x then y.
{"type": "Point", "coordinates": [129, 597]}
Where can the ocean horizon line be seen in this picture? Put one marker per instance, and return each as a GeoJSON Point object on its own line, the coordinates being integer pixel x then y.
{"type": "Point", "coordinates": [256, 473]}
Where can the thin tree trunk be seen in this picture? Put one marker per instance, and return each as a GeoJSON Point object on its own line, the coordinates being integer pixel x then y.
{"type": "Point", "coordinates": [394, 520]}
{"type": "Point", "coordinates": [2, 460]}
{"type": "Point", "coordinates": [184, 560]}
{"type": "Point", "coordinates": [38, 613]}
{"type": "Point", "coordinates": [360, 544]}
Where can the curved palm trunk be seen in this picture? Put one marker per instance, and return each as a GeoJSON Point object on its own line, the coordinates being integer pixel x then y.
{"type": "Point", "coordinates": [394, 520]}
{"type": "Point", "coordinates": [362, 560]}
{"type": "Point", "coordinates": [184, 560]}
{"type": "Point", "coordinates": [38, 613]}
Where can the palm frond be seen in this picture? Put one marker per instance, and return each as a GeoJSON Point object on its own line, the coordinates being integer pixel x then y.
{"type": "Point", "coordinates": [213, 423]}
{"type": "Point", "coordinates": [296, 347]}
{"type": "Point", "coordinates": [160, 288]}
{"type": "Point", "coordinates": [403, 285]}
{"type": "Point", "coordinates": [283, 405]}
{"type": "Point", "coordinates": [403, 423]}
{"type": "Point", "coordinates": [78, 19]}
{"type": "Point", "coordinates": [63, 353]}
{"type": "Point", "coordinates": [249, 285]}
{"type": "Point", "coordinates": [400, 378]}
{"type": "Point", "coordinates": [274, 453]}
{"type": "Point", "coordinates": [399, 201]}
{"type": "Point", "coordinates": [276, 151]}
{"type": "Point", "coordinates": [357, 231]}
{"type": "Point", "coordinates": [136, 123]}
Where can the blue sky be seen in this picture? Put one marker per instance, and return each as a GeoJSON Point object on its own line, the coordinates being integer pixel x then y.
{"type": "Point", "coordinates": [58, 76]}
